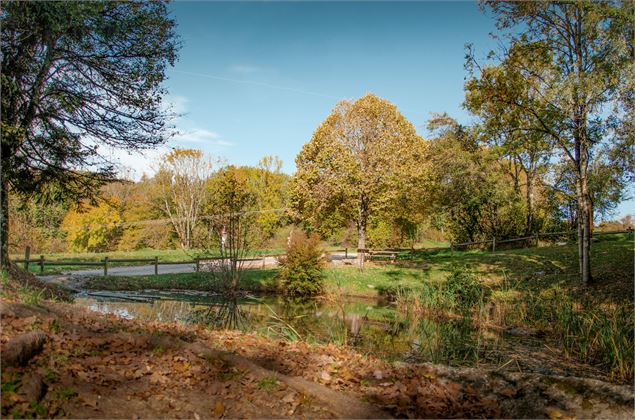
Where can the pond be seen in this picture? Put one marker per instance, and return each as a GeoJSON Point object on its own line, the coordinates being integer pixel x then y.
{"type": "Point", "coordinates": [372, 327]}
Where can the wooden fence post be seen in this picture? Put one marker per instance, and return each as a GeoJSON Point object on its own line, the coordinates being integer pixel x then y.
{"type": "Point", "coordinates": [494, 244]}
{"type": "Point", "coordinates": [27, 254]}
{"type": "Point", "coordinates": [537, 240]}
{"type": "Point", "coordinates": [198, 264]}
{"type": "Point", "coordinates": [41, 264]}
{"type": "Point", "coordinates": [451, 248]}
{"type": "Point", "coordinates": [105, 266]}
{"type": "Point", "coordinates": [346, 253]}
{"type": "Point", "coordinates": [156, 266]}
{"type": "Point", "coordinates": [264, 258]}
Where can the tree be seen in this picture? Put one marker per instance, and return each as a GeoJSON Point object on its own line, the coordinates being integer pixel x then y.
{"type": "Point", "coordinates": [361, 161]}
{"type": "Point", "coordinates": [585, 54]}
{"type": "Point", "coordinates": [76, 76]}
{"type": "Point", "coordinates": [93, 229]}
{"type": "Point", "coordinates": [231, 222]}
{"type": "Point", "coordinates": [270, 185]}
{"type": "Point", "coordinates": [301, 273]}
{"type": "Point", "coordinates": [182, 177]}
{"type": "Point", "coordinates": [36, 225]}
{"type": "Point", "coordinates": [512, 133]}
{"type": "Point", "coordinates": [470, 188]}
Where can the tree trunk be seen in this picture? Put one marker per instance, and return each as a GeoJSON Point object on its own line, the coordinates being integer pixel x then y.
{"type": "Point", "coordinates": [361, 228]}
{"type": "Point", "coordinates": [586, 222]}
{"type": "Point", "coordinates": [4, 222]}
{"type": "Point", "coordinates": [583, 198]}
{"type": "Point", "coordinates": [529, 199]}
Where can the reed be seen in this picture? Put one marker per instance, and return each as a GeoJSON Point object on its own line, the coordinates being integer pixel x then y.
{"type": "Point", "coordinates": [584, 327]}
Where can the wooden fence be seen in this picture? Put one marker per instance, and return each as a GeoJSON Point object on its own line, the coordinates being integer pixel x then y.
{"type": "Point", "coordinates": [534, 240]}
{"type": "Point", "coordinates": [107, 262]}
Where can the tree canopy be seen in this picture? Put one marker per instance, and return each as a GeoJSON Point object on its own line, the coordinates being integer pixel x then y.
{"type": "Point", "coordinates": [364, 159]}
{"type": "Point", "coordinates": [77, 76]}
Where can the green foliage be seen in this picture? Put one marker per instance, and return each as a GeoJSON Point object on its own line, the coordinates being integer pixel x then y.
{"type": "Point", "coordinates": [301, 269]}
{"type": "Point", "coordinates": [66, 394]}
{"type": "Point", "coordinates": [268, 384]}
{"type": "Point", "coordinates": [464, 288]}
{"type": "Point", "coordinates": [36, 224]}
{"type": "Point", "coordinates": [30, 296]}
{"type": "Point", "coordinates": [473, 194]}
{"type": "Point", "coordinates": [55, 117]}
{"type": "Point", "coordinates": [381, 234]}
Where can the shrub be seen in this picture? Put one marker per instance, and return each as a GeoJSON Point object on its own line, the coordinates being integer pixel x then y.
{"type": "Point", "coordinates": [301, 269]}
{"type": "Point", "coordinates": [464, 288]}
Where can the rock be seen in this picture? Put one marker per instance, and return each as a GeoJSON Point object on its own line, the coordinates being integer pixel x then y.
{"type": "Point", "coordinates": [19, 350]}
{"type": "Point", "coordinates": [532, 395]}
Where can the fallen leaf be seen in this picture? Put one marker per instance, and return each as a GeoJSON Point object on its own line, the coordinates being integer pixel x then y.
{"type": "Point", "coordinates": [219, 409]}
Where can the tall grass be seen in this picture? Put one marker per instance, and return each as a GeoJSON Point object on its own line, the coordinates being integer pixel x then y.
{"type": "Point", "coordinates": [585, 328]}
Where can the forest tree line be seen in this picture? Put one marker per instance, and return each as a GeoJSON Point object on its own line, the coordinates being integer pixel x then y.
{"type": "Point", "coordinates": [467, 189]}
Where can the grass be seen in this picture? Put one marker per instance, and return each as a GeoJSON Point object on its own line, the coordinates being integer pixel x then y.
{"type": "Point", "coordinates": [253, 280]}
{"type": "Point", "coordinates": [533, 269]}
{"type": "Point", "coordinates": [268, 384]}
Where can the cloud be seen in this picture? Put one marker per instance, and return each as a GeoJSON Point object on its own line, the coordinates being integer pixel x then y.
{"type": "Point", "coordinates": [245, 69]}
{"type": "Point", "coordinates": [175, 103]}
{"type": "Point", "coordinates": [134, 164]}
{"type": "Point", "coordinates": [200, 136]}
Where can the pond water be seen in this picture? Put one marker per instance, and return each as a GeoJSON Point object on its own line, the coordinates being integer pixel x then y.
{"type": "Point", "coordinates": [372, 327]}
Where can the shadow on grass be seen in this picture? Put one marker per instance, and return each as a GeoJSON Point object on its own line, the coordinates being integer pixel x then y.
{"type": "Point", "coordinates": [545, 267]}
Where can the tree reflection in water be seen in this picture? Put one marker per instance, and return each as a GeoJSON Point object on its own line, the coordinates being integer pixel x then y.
{"type": "Point", "coordinates": [370, 327]}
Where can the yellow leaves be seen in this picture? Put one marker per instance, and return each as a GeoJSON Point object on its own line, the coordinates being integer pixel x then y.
{"type": "Point", "coordinates": [364, 148]}
{"type": "Point", "coordinates": [179, 153]}
{"type": "Point", "coordinates": [95, 228]}
{"type": "Point", "coordinates": [219, 409]}
{"type": "Point", "coordinates": [554, 413]}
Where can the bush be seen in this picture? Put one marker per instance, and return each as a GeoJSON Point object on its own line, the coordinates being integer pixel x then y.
{"type": "Point", "coordinates": [301, 270]}
{"type": "Point", "coordinates": [464, 288]}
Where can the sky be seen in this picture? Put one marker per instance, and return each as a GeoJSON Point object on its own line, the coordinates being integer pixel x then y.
{"type": "Point", "coordinates": [257, 78]}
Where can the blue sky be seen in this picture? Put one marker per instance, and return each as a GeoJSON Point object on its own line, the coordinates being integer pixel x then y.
{"type": "Point", "coordinates": [257, 78]}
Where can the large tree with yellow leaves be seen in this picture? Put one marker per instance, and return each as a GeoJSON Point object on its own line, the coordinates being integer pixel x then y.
{"type": "Point", "coordinates": [365, 159]}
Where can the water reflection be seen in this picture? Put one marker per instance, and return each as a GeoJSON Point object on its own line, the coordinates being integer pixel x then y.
{"type": "Point", "coordinates": [371, 327]}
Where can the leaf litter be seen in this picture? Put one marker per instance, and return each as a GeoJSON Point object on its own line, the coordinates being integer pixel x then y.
{"type": "Point", "coordinates": [96, 365]}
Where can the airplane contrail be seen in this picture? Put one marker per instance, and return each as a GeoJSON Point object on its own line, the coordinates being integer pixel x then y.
{"type": "Point", "coordinates": [262, 84]}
